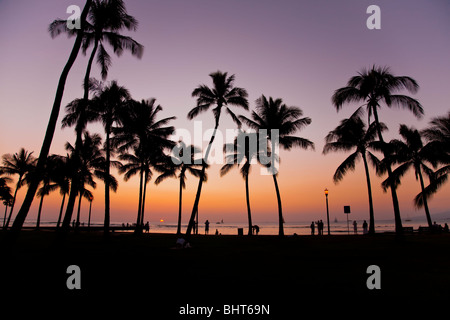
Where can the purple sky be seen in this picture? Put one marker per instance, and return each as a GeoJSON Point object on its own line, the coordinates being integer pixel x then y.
{"type": "Point", "coordinates": [300, 51]}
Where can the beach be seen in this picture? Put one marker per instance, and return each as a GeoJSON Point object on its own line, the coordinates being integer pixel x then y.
{"type": "Point", "coordinates": [148, 270]}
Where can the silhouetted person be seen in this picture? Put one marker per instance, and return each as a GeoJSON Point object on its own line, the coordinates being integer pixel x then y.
{"type": "Point", "coordinates": [217, 232]}
{"type": "Point", "coordinates": [446, 227]}
{"type": "Point", "coordinates": [365, 227]}
{"type": "Point", "coordinates": [313, 227]}
{"type": "Point", "coordinates": [355, 227]}
{"type": "Point", "coordinates": [256, 227]}
{"type": "Point", "coordinates": [206, 227]}
{"type": "Point", "coordinates": [147, 227]}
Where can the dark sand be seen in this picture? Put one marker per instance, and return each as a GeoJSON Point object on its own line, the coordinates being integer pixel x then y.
{"type": "Point", "coordinates": [292, 275]}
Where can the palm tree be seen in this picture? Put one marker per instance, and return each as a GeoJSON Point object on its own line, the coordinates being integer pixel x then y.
{"type": "Point", "coordinates": [273, 117]}
{"type": "Point", "coordinates": [47, 177]}
{"type": "Point", "coordinates": [108, 104]}
{"type": "Point", "coordinates": [92, 165]}
{"type": "Point", "coordinates": [5, 194]}
{"type": "Point", "coordinates": [106, 19]}
{"type": "Point", "coordinates": [182, 162]}
{"type": "Point", "coordinates": [373, 87]}
{"type": "Point", "coordinates": [438, 135]}
{"type": "Point", "coordinates": [412, 153]}
{"type": "Point", "coordinates": [148, 137]}
{"type": "Point", "coordinates": [222, 95]}
{"type": "Point", "coordinates": [61, 179]}
{"type": "Point", "coordinates": [350, 135]}
{"type": "Point", "coordinates": [19, 164]}
{"type": "Point", "coordinates": [243, 149]}
{"type": "Point", "coordinates": [23, 212]}
{"type": "Point", "coordinates": [78, 115]}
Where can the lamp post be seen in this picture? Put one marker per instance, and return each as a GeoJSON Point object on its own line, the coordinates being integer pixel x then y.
{"type": "Point", "coordinates": [328, 213]}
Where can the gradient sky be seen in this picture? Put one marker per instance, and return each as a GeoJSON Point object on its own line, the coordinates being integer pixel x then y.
{"type": "Point", "coordinates": [300, 51]}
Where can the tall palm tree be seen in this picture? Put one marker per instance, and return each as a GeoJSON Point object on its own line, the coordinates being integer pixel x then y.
{"type": "Point", "coordinates": [51, 126]}
{"type": "Point", "coordinates": [222, 95]}
{"type": "Point", "coordinates": [148, 137]}
{"type": "Point", "coordinates": [273, 117]}
{"type": "Point", "coordinates": [182, 161]}
{"type": "Point", "coordinates": [108, 105]}
{"type": "Point", "coordinates": [412, 153]}
{"type": "Point", "coordinates": [243, 149]}
{"type": "Point", "coordinates": [20, 163]}
{"type": "Point", "coordinates": [47, 177]}
{"type": "Point", "coordinates": [92, 165]}
{"type": "Point", "coordinates": [5, 194]}
{"type": "Point", "coordinates": [61, 179]}
{"type": "Point", "coordinates": [438, 135]}
{"type": "Point", "coordinates": [78, 115]}
{"type": "Point", "coordinates": [374, 87]}
{"type": "Point", "coordinates": [106, 18]}
{"type": "Point", "coordinates": [351, 135]}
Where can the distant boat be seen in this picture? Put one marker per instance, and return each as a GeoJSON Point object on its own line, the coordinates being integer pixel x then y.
{"type": "Point", "coordinates": [335, 220]}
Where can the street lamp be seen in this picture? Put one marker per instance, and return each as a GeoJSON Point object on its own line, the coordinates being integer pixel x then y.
{"type": "Point", "coordinates": [328, 214]}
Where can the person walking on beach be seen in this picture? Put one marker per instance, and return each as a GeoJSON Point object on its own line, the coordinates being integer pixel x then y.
{"type": "Point", "coordinates": [355, 226]}
{"type": "Point", "coordinates": [365, 227]}
{"type": "Point", "coordinates": [206, 227]}
{"type": "Point", "coordinates": [312, 226]}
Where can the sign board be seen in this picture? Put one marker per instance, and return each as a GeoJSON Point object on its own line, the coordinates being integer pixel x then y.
{"type": "Point", "coordinates": [346, 209]}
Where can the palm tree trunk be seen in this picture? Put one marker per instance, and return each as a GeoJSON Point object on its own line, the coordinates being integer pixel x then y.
{"type": "Point", "coordinates": [107, 201]}
{"type": "Point", "coordinates": [23, 212]}
{"type": "Point", "coordinates": [280, 211]}
{"type": "Point", "coordinates": [138, 221]}
{"type": "Point", "coordinates": [249, 213]}
{"type": "Point", "coordinates": [179, 208]}
{"type": "Point", "coordinates": [38, 221]}
{"type": "Point", "coordinates": [144, 192]}
{"type": "Point", "coordinates": [200, 182]}
{"type": "Point", "coordinates": [77, 225]}
{"type": "Point", "coordinates": [4, 217]}
{"type": "Point", "coordinates": [369, 191]}
{"type": "Point", "coordinates": [61, 211]}
{"type": "Point", "coordinates": [398, 219]}
{"type": "Point", "coordinates": [74, 187]}
{"type": "Point", "coordinates": [5, 227]}
{"type": "Point", "coordinates": [425, 202]}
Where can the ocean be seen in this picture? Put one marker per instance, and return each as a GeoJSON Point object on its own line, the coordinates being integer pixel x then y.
{"type": "Point", "coordinates": [270, 228]}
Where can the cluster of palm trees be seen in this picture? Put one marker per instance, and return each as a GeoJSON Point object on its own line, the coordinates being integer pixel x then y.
{"type": "Point", "coordinates": [378, 87]}
{"type": "Point", "coordinates": [137, 142]}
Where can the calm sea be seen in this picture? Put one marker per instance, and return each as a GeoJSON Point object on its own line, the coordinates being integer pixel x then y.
{"type": "Point", "coordinates": [271, 228]}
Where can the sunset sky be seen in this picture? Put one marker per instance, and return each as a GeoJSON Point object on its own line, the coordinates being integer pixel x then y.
{"type": "Point", "coordinates": [300, 51]}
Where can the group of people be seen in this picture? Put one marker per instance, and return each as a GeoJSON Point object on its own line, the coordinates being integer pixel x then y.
{"type": "Point", "coordinates": [319, 227]}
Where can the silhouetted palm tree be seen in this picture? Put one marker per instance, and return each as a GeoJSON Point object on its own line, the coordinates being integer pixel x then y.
{"type": "Point", "coordinates": [350, 135]}
{"type": "Point", "coordinates": [183, 160]}
{"type": "Point", "coordinates": [92, 165]}
{"type": "Point", "coordinates": [412, 153]}
{"type": "Point", "coordinates": [47, 176]}
{"type": "Point", "coordinates": [438, 135]}
{"type": "Point", "coordinates": [19, 164]}
{"type": "Point", "coordinates": [5, 194]}
{"type": "Point", "coordinates": [373, 87]}
{"type": "Point", "coordinates": [273, 117]}
{"type": "Point", "coordinates": [222, 95]}
{"type": "Point", "coordinates": [108, 104]}
{"type": "Point", "coordinates": [61, 179]}
{"type": "Point", "coordinates": [23, 212]}
{"type": "Point", "coordinates": [148, 137]}
{"type": "Point", "coordinates": [78, 115]}
{"type": "Point", "coordinates": [243, 149]}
